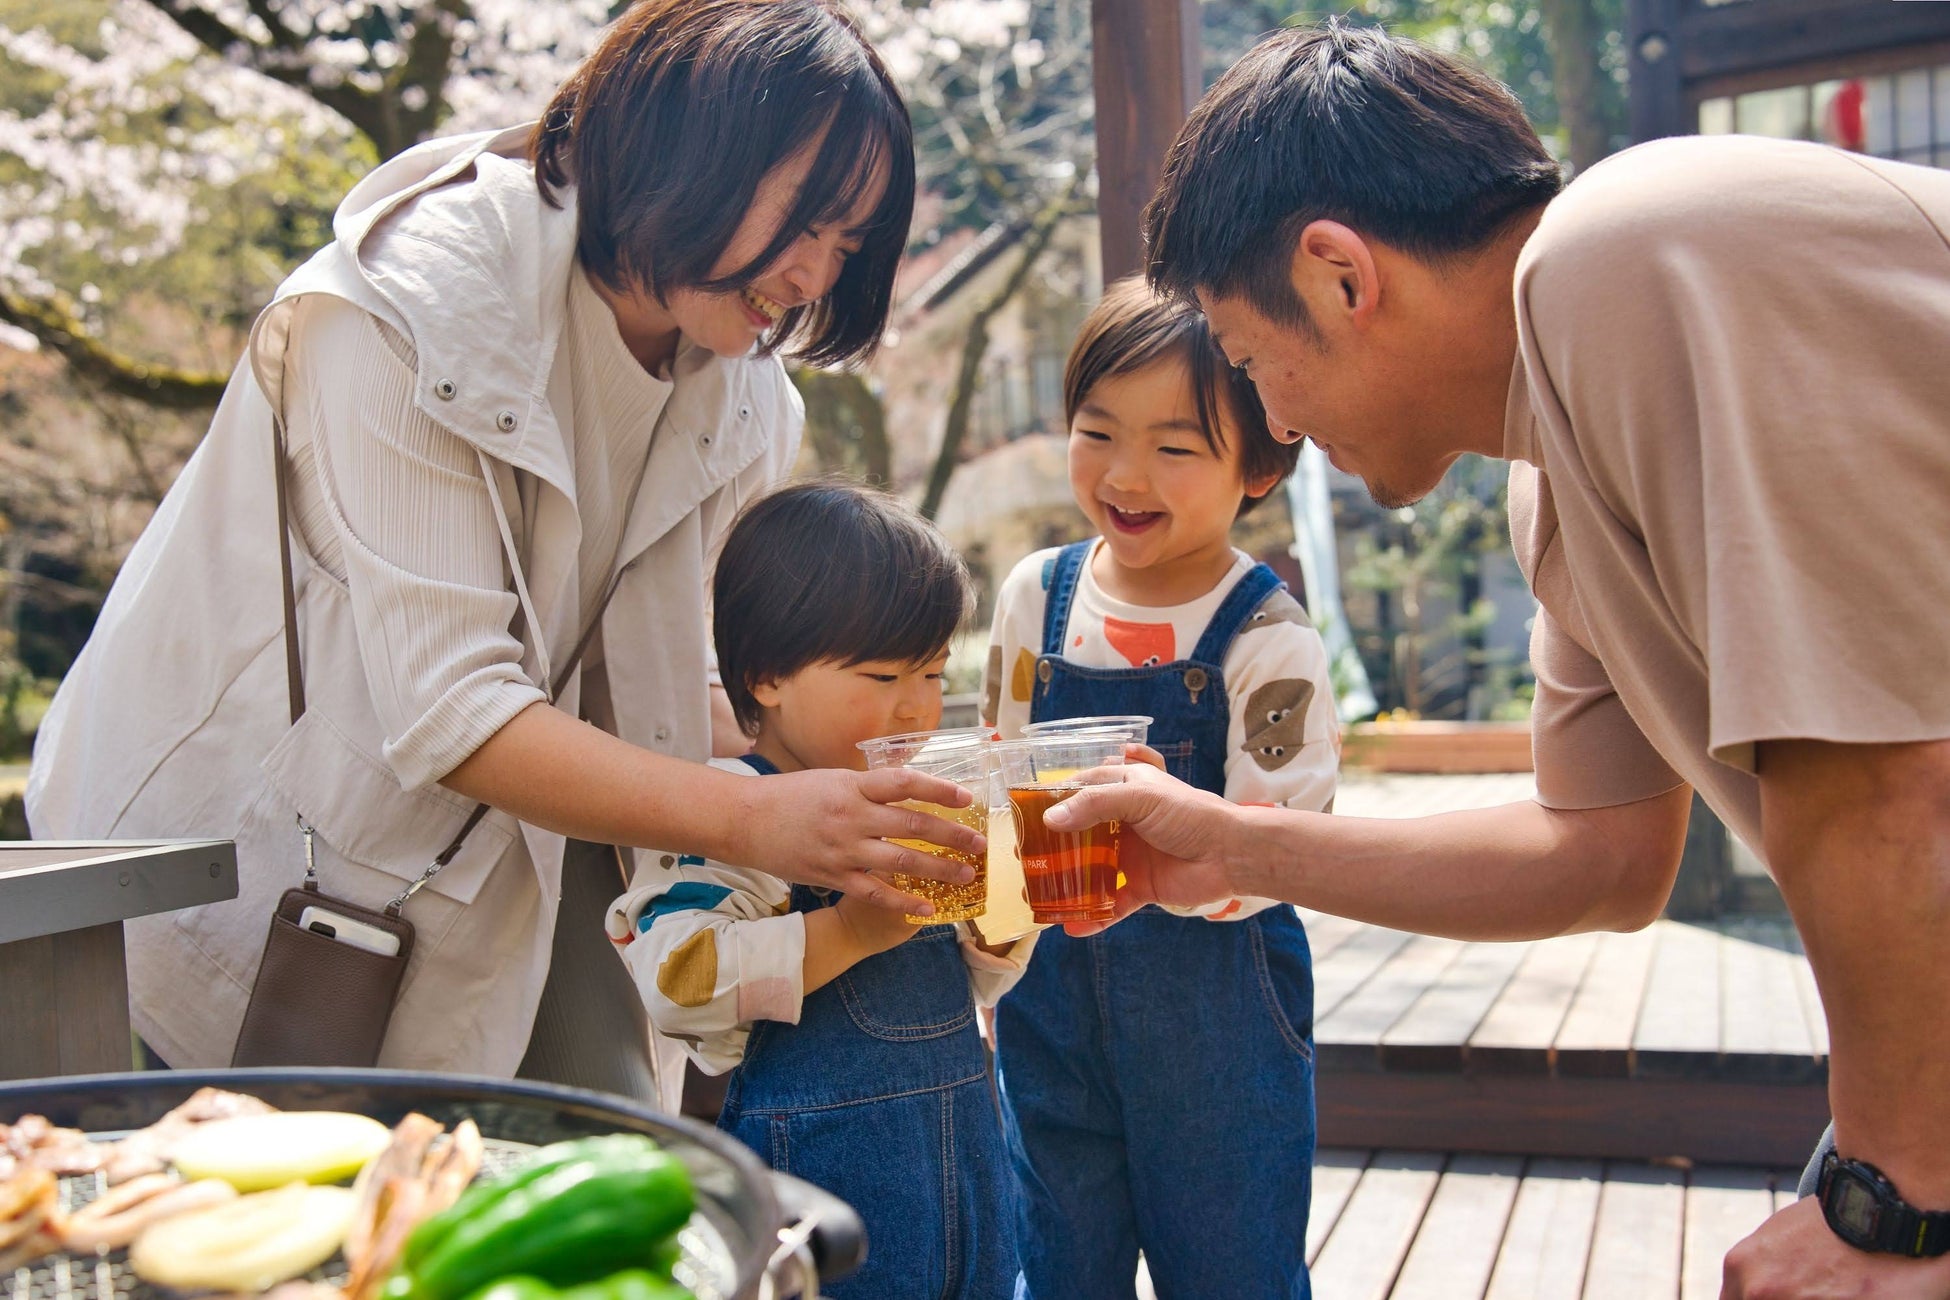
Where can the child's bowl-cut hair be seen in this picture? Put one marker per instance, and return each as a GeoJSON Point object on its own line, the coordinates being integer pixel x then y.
{"type": "Point", "coordinates": [667, 129]}
{"type": "Point", "coordinates": [831, 572]}
{"type": "Point", "coordinates": [1132, 327]}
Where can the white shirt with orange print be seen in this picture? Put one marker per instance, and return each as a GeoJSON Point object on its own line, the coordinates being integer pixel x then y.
{"type": "Point", "coordinates": [1283, 741]}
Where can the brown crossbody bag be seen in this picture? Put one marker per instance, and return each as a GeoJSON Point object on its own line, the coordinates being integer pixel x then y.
{"type": "Point", "coordinates": [318, 999]}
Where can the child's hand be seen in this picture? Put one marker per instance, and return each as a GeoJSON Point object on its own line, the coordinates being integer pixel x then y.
{"type": "Point", "coordinates": [874, 928]}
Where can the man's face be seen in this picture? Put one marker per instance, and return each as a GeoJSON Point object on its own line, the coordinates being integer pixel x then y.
{"type": "Point", "coordinates": [1344, 385]}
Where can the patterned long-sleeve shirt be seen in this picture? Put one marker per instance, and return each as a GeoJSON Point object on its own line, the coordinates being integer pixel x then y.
{"type": "Point", "coordinates": [714, 947]}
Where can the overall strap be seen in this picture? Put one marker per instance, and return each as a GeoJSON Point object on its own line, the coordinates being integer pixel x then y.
{"type": "Point", "coordinates": [1246, 596]}
{"type": "Point", "coordinates": [1063, 570]}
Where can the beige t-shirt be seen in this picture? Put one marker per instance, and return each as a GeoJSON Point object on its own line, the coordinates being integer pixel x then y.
{"type": "Point", "coordinates": [1734, 377]}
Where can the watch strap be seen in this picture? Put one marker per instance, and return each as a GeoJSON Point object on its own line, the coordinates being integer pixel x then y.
{"type": "Point", "coordinates": [1900, 1228]}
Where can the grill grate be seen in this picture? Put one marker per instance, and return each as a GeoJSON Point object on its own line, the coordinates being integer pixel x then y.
{"type": "Point", "coordinates": [64, 1276]}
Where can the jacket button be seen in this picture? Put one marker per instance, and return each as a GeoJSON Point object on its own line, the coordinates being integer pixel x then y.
{"type": "Point", "coordinates": [704, 440]}
{"type": "Point", "coordinates": [1044, 671]}
{"type": "Point", "coordinates": [744, 412]}
{"type": "Point", "coordinates": [663, 733]}
{"type": "Point", "coordinates": [505, 421]}
{"type": "Point", "coordinates": [445, 390]}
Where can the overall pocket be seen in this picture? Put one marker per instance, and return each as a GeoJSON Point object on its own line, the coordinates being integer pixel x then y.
{"type": "Point", "coordinates": [916, 991]}
{"type": "Point", "coordinates": [1283, 965]}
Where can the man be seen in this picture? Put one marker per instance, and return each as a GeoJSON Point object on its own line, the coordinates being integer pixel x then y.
{"type": "Point", "coordinates": [1723, 378]}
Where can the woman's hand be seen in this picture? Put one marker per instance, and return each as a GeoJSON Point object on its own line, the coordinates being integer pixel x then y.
{"type": "Point", "coordinates": [835, 828]}
{"type": "Point", "coordinates": [817, 828]}
{"type": "Point", "coordinates": [1174, 836]}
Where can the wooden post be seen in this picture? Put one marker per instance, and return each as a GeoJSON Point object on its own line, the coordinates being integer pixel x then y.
{"type": "Point", "coordinates": [1658, 96]}
{"type": "Point", "coordinates": [1145, 58]}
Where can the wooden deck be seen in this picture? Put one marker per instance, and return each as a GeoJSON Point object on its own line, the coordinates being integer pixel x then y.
{"type": "Point", "coordinates": [1702, 1042]}
{"type": "Point", "coordinates": [1392, 1225]}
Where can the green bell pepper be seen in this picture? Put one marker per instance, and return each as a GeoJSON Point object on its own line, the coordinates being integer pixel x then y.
{"type": "Point", "coordinates": [600, 1211]}
{"type": "Point", "coordinates": [481, 1196]}
{"type": "Point", "coordinates": [630, 1284]}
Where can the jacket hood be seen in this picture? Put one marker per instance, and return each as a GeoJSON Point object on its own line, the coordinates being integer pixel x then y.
{"type": "Point", "coordinates": [473, 273]}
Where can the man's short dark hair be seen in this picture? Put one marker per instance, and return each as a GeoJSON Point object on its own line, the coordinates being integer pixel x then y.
{"type": "Point", "coordinates": [667, 129]}
{"type": "Point", "coordinates": [831, 572]}
{"type": "Point", "coordinates": [1405, 145]}
{"type": "Point", "coordinates": [1133, 326]}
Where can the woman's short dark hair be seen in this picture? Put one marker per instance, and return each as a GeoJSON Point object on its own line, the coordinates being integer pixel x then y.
{"type": "Point", "coordinates": [667, 129]}
{"type": "Point", "coordinates": [830, 572]}
{"type": "Point", "coordinates": [1339, 123]}
{"type": "Point", "coordinates": [1132, 326]}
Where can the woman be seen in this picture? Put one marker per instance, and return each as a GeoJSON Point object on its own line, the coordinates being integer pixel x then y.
{"type": "Point", "coordinates": [534, 366]}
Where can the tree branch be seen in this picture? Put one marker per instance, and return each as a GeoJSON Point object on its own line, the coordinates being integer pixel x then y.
{"type": "Point", "coordinates": [378, 115]}
{"type": "Point", "coordinates": [61, 332]}
{"type": "Point", "coordinates": [975, 343]}
{"type": "Point", "coordinates": [210, 31]}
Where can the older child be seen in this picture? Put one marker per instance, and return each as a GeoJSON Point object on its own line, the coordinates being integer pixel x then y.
{"type": "Point", "coordinates": [1158, 1077]}
{"type": "Point", "coordinates": [851, 1034]}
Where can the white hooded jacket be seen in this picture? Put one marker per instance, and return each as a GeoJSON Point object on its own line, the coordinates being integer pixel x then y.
{"type": "Point", "coordinates": [174, 720]}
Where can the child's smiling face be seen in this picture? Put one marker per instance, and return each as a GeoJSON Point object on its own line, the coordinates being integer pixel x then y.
{"type": "Point", "coordinates": [1163, 499]}
{"type": "Point", "coordinates": [817, 717]}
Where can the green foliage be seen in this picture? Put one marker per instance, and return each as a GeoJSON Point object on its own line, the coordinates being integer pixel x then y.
{"type": "Point", "coordinates": [1426, 653]}
{"type": "Point", "coordinates": [244, 188]}
{"type": "Point", "coordinates": [1505, 37]}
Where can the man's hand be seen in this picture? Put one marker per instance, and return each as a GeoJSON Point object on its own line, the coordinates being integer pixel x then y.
{"type": "Point", "coordinates": [1174, 836]}
{"type": "Point", "coordinates": [1794, 1256]}
{"type": "Point", "coordinates": [832, 828]}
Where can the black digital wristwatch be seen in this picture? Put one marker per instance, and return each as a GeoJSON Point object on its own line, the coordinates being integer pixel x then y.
{"type": "Point", "coordinates": [1863, 1209]}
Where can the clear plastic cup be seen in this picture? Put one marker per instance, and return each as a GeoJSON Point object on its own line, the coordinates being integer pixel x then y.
{"type": "Point", "coordinates": [1134, 727]}
{"type": "Point", "coordinates": [960, 755]}
{"type": "Point", "coordinates": [1068, 875]}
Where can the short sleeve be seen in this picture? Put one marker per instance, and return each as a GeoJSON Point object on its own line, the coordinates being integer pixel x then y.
{"type": "Point", "coordinates": [1587, 750]}
{"type": "Point", "coordinates": [1766, 420]}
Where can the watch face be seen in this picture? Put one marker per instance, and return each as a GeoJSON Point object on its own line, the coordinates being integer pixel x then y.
{"type": "Point", "coordinates": [1854, 1205]}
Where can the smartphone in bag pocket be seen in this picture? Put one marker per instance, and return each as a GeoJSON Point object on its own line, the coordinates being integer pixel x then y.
{"type": "Point", "coordinates": [324, 998]}
{"type": "Point", "coordinates": [346, 929]}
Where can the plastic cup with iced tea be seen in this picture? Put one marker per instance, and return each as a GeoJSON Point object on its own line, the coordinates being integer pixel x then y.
{"type": "Point", "coordinates": [1131, 729]}
{"type": "Point", "coordinates": [1068, 875]}
{"type": "Point", "coordinates": [959, 755]}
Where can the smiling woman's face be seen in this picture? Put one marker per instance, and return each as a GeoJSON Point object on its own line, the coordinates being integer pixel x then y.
{"type": "Point", "coordinates": [730, 323]}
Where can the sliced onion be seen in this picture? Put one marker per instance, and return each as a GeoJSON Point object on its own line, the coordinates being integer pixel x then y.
{"type": "Point", "coordinates": [249, 1244]}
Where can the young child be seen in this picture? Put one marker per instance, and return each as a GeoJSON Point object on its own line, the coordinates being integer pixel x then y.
{"type": "Point", "coordinates": [851, 1034]}
{"type": "Point", "coordinates": [1158, 1077]}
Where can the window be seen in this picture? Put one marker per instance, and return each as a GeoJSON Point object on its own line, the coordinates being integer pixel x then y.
{"type": "Point", "coordinates": [1902, 115]}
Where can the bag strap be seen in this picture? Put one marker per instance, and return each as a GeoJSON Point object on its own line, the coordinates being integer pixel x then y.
{"type": "Point", "coordinates": [294, 673]}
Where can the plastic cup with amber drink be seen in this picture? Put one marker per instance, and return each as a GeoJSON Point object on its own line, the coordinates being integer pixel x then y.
{"type": "Point", "coordinates": [1068, 875]}
{"type": "Point", "coordinates": [1131, 729]}
{"type": "Point", "coordinates": [961, 756]}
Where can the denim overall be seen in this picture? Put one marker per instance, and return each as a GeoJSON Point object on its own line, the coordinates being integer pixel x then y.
{"type": "Point", "coordinates": [881, 1095]}
{"type": "Point", "coordinates": [1158, 1078]}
